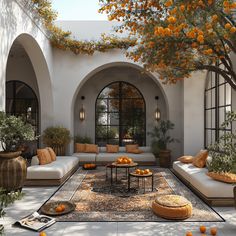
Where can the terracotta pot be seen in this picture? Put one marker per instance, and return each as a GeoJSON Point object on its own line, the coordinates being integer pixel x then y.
{"type": "Point", "coordinates": [13, 171]}
{"type": "Point", "coordinates": [165, 158]}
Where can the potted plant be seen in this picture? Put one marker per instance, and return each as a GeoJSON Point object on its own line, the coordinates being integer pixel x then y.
{"type": "Point", "coordinates": [58, 138]}
{"type": "Point", "coordinates": [160, 141]}
{"type": "Point", "coordinates": [223, 152]}
{"type": "Point", "coordinates": [13, 133]}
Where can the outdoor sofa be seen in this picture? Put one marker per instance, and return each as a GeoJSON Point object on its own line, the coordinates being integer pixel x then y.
{"type": "Point", "coordinates": [104, 157]}
{"type": "Point", "coordinates": [54, 173]}
{"type": "Point", "coordinates": [213, 192]}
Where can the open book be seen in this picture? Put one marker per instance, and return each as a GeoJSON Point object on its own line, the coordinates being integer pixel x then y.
{"type": "Point", "coordinates": [36, 222]}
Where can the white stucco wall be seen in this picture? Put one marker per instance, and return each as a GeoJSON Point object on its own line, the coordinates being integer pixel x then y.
{"type": "Point", "coordinates": [16, 22]}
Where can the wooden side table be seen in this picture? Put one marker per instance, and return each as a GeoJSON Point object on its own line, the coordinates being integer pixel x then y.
{"type": "Point", "coordinates": [143, 178]}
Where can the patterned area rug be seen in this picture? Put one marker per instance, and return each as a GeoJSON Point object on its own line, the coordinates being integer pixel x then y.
{"type": "Point", "coordinates": [97, 200]}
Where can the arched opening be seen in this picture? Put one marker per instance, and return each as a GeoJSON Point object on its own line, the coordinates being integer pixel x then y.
{"type": "Point", "coordinates": [27, 63]}
{"type": "Point", "coordinates": [91, 86]}
{"type": "Point", "coordinates": [120, 113]}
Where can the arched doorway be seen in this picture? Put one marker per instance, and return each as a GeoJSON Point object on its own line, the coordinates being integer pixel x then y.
{"type": "Point", "coordinates": [22, 101]}
{"type": "Point", "coordinates": [120, 113]}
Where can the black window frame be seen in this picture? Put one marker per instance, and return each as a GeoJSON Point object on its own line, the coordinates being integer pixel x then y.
{"type": "Point", "coordinates": [142, 141]}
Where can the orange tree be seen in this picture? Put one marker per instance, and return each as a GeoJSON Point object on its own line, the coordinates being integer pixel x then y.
{"type": "Point", "coordinates": [177, 37]}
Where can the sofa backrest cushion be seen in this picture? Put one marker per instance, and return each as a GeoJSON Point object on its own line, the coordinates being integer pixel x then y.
{"type": "Point", "coordinates": [130, 147]}
{"type": "Point", "coordinates": [91, 148]}
{"type": "Point", "coordinates": [34, 161]}
{"type": "Point", "coordinates": [43, 156]}
{"type": "Point", "coordinates": [200, 159]}
{"type": "Point", "coordinates": [112, 148]}
{"type": "Point", "coordinates": [80, 147]}
{"type": "Point", "coordinates": [52, 154]}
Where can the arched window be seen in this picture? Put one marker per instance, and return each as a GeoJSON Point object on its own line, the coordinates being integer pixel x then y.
{"type": "Point", "coordinates": [217, 103]}
{"type": "Point", "coordinates": [22, 101]}
{"type": "Point", "coordinates": [120, 115]}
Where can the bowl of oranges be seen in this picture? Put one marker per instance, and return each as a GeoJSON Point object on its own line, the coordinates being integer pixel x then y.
{"type": "Point", "coordinates": [144, 172]}
{"type": "Point", "coordinates": [124, 160]}
{"type": "Point", "coordinates": [89, 166]}
{"type": "Point", "coordinates": [57, 208]}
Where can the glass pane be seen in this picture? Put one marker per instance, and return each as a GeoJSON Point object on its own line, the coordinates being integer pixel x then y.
{"type": "Point", "coordinates": [113, 118]}
{"type": "Point", "coordinates": [102, 119]}
{"type": "Point", "coordinates": [129, 91]}
{"type": "Point", "coordinates": [101, 105]}
{"type": "Point", "coordinates": [113, 132]}
{"type": "Point", "coordinates": [113, 105]}
{"type": "Point", "coordinates": [213, 118]}
{"type": "Point", "coordinates": [112, 91]}
{"type": "Point", "coordinates": [221, 95]}
{"type": "Point", "coordinates": [213, 81]}
{"type": "Point", "coordinates": [213, 97]}
{"type": "Point", "coordinates": [113, 141]}
{"type": "Point", "coordinates": [221, 115]}
{"type": "Point", "coordinates": [228, 94]}
{"type": "Point", "coordinates": [101, 132]}
{"type": "Point", "coordinates": [208, 119]}
{"type": "Point", "coordinates": [208, 138]}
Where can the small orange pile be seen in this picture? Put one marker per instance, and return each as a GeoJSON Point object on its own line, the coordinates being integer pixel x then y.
{"type": "Point", "coordinates": [60, 208]}
{"type": "Point", "coordinates": [89, 166]}
{"type": "Point", "coordinates": [42, 233]}
{"type": "Point", "coordinates": [124, 160]}
{"type": "Point", "coordinates": [202, 229]}
{"type": "Point", "coordinates": [142, 172]}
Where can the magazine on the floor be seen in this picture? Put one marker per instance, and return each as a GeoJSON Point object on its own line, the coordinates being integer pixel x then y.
{"type": "Point", "coordinates": [36, 222]}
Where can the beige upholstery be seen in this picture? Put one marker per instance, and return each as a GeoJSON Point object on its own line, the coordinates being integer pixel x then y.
{"type": "Point", "coordinates": [198, 179]}
{"type": "Point", "coordinates": [54, 170]}
{"type": "Point", "coordinates": [86, 157]}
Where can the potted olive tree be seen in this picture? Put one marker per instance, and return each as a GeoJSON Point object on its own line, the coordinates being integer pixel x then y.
{"type": "Point", "coordinates": [160, 141]}
{"type": "Point", "coordinates": [58, 138]}
{"type": "Point", "coordinates": [13, 133]}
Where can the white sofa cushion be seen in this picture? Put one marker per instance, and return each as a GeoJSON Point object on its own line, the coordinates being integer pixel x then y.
{"type": "Point", "coordinates": [34, 161]}
{"type": "Point", "coordinates": [54, 170]}
{"type": "Point", "coordinates": [143, 157]}
{"type": "Point", "coordinates": [198, 179]}
{"type": "Point", "coordinates": [86, 157]}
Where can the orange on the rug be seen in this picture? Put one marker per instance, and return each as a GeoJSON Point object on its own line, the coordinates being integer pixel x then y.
{"type": "Point", "coordinates": [213, 231]}
{"type": "Point", "coordinates": [42, 234]}
{"type": "Point", "coordinates": [189, 233]}
{"type": "Point", "coordinates": [202, 228]}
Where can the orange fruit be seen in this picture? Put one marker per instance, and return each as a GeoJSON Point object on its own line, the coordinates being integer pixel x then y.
{"type": "Point", "coordinates": [213, 231]}
{"type": "Point", "coordinates": [42, 233]}
{"type": "Point", "coordinates": [202, 229]}
{"type": "Point", "coordinates": [63, 207]}
{"type": "Point", "coordinates": [141, 172]}
{"type": "Point", "coordinates": [58, 209]}
{"type": "Point", "coordinates": [189, 233]}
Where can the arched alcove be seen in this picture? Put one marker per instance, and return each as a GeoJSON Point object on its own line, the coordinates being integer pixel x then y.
{"type": "Point", "coordinates": [98, 79]}
{"type": "Point", "coordinates": [26, 63]}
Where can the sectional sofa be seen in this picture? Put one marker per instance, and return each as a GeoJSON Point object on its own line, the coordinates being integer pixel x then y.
{"type": "Point", "coordinates": [103, 157]}
{"type": "Point", "coordinates": [211, 191]}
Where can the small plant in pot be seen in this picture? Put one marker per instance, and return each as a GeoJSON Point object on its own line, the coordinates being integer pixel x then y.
{"type": "Point", "coordinates": [160, 141]}
{"type": "Point", "coordinates": [58, 138]}
{"type": "Point", "coordinates": [13, 133]}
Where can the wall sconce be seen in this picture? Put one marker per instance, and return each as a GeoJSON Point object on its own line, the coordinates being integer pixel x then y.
{"type": "Point", "coordinates": [157, 113]}
{"type": "Point", "coordinates": [82, 111]}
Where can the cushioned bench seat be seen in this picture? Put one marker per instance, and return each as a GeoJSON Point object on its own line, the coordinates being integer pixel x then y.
{"type": "Point", "coordinates": [53, 173]}
{"type": "Point", "coordinates": [146, 157]}
{"type": "Point", "coordinates": [217, 193]}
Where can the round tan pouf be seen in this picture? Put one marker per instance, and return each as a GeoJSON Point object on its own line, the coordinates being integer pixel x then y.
{"type": "Point", "coordinates": [172, 207]}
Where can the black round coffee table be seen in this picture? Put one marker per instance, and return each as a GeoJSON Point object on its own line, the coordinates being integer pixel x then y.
{"type": "Point", "coordinates": [142, 177]}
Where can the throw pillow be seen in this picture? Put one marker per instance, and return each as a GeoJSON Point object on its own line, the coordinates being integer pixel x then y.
{"type": "Point", "coordinates": [80, 147]}
{"type": "Point", "coordinates": [200, 159]}
{"type": "Point", "coordinates": [91, 148]}
{"type": "Point", "coordinates": [52, 154]}
{"type": "Point", "coordinates": [130, 147]}
{"type": "Point", "coordinates": [136, 151]}
{"type": "Point", "coordinates": [43, 156]}
{"type": "Point", "coordinates": [223, 177]}
{"type": "Point", "coordinates": [186, 159]}
{"type": "Point", "coordinates": [112, 148]}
